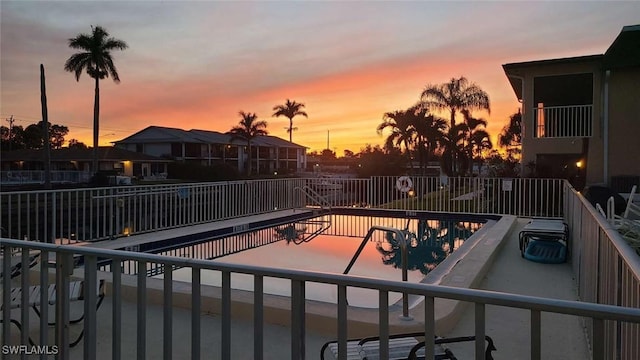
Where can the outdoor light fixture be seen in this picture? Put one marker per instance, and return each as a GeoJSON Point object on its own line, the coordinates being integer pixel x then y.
{"type": "Point", "coordinates": [579, 164]}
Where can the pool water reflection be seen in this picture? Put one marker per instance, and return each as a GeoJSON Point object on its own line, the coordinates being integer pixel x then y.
{"type": "Point", "coordinates": [327, 244]}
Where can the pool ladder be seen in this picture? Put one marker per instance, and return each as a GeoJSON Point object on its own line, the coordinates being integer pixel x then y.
{"type": "Point", "coordinates": [402, 239]}
{"type": "Point", "coordinates": [314, 196]}
{"type": "Point", "coordinates": [321, 226]}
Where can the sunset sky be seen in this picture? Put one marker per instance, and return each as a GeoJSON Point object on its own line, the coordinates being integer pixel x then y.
{"type": "Point", "coordinates": [194, 65]}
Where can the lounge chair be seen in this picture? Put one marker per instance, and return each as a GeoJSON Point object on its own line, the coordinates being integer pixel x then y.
{"type": "Point", "coordinates": [76, 293]}
{"type": "Point", "coordinates": [629, 221]}
{"type": "Point", "coordinates": [401, 346]}
{"type": "Point", "coordinates": [545, 241]}
{"type": "Point", "coordinates": [16, 269]}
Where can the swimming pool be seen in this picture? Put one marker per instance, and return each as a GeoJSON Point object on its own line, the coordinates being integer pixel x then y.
{"type": "Point", "coordinates": [327, 244]}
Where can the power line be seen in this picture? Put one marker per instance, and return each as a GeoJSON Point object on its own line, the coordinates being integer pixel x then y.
{"type": "Point", "coordinates": [30, 120]}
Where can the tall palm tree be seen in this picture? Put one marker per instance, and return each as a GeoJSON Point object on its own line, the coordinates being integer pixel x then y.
{"type": "Point", "coordinates": [94, 58]}
{"type": "Point", "coordinates": [247, 129]}
{"type": "Point", "coordinates": [402, 131]}
{"type": "Point", "coordinates": [455, 95]}
{"type": "Point", "coordinates": [290, 109]}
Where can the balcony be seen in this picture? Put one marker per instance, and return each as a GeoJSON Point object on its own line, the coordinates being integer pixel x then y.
{"type": "Point", "coordinates": [563, 121]}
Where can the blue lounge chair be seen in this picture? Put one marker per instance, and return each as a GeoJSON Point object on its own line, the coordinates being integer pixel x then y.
{"type": "Point", "coordinates": [545, 241]}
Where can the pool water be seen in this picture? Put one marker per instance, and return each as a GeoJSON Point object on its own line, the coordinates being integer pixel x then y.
{"type": "Point", "coordinates": [328, 244]}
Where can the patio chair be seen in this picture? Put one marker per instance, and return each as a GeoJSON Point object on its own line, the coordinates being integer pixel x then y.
{"type": "Point", "coordinates": [76, 293]}
{"type": "Point", "coordinates": [16, 269]}
{"type": "Point", "coordinates": [401, 346]}
{"type": "Point", "coordinates": [545, 241]}
{"type": "Point", "coordinates": [630, 215]}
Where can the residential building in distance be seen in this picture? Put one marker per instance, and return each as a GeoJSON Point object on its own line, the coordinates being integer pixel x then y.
{"type": "Point", "coordinates": [581, 115]}
{"type": "Point", "coordinates": [269, 153]}
{"type": "Point", "coordinates": [74, 164]}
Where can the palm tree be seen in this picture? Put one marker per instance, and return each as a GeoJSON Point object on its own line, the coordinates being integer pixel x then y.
{"type": "Point", "coordinates": [400, 123]}
{"type": "Point", "coordinates": [290, 109]}
{"type": "Point", "coordinates": [511, 135]}
{"type": "Point", "coordinates": [429, 133]}
{"type": "Point", "coordinates": [456, 95]}
{"type": "Point", "coordinates": [248, 128]}
{"type": "Point", "coordinates": [479, 140]}
{"type": "Point", "coordinates": [476, 137]}
{"type": "Point", "coordinates": [95, 58]}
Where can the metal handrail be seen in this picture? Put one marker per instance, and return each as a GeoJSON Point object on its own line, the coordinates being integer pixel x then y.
{"type": "Point", "coordinates": [608, 312]}
{"type": "Point", "coordinates": [325, 225]}
{"type": "Point", "coordinates": [314, 196]}
{"type": "Point", "coordinates": [403, 259]}
{"type": "Point", "coordinates": [298, 279]}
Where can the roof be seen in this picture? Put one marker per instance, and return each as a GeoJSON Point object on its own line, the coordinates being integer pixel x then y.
{"type": "Point", "coordinates": [625, 49]}
{"type": "Point", "coordinates": [156, 134]}
{"type": "Point", "coordinates": [515, 71]}
{"type": "Point", "coordinates": [623, 52]}
{"type": "Point", "coordinates": [105, 153]}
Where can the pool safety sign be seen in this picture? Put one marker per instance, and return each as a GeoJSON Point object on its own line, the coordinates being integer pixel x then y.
{"type": "Point", "coordinates": [507, 185]}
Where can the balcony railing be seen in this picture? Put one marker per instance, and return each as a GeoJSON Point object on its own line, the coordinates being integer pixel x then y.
{"type": "Point", "coordinates": [563, 121]}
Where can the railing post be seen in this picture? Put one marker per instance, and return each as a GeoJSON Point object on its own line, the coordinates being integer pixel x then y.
{"type": "Point", "coordinates": [141, 326]}
{"type": "Point", "coordinates": [6, 298]}
{"type": "Point", "coordinates": [90, 302]}
{"type": "Point", "coordinates": [64, 268]}
{"type": "Point", "coordinates": [480, 330]}
{"type": "Point", "coordinates": [404, 260]}
{"type": "Point", "coordinates": [535, 335]}
{"type": "Point", "coordinates": [297, 320]}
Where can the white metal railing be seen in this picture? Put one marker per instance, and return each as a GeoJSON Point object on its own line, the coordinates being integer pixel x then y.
{"type": "Point", "coordinates": [89, 214]}
{"type": "Point", "coordinates": [518, 196]}
{"type": "Point", "coordinates": [563, 121]}
{"type": "Point", "coordinates": [607, 270]}
{"type": "Point", "coordinates": [20, 177]}
{"type": "Point", "coordinates": [600, 316]}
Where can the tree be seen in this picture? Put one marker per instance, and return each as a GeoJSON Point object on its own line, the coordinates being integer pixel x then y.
{"type": "Point", "coordinates": [77, 144]}
{"type": "Point", "coordinates": [476, 137]}
{"type": "Point", "coordinates": [56, 135]}
{"type": "Point", "coordinates": [290, 109]}
{"type": "Point", "coordinates": [374, 161]}
{"type": "Point", "coordinates": [511, 136]}
{"type": "Point", "coordinates": [349, 154]}
{"type": "Point", "coordinates": [248, 128]}
{"type": "Point", "coordinates": [428, 133]}
{"type": "Point", "coordinates": [11, 139]}
{"type": "Point", "coordinates": [95, 58]}
{"type": "Point", "coordinates": [456, 95]}
{"type": "Point", "coordinates": [454, 148]}
{"type": "Point", "coordinates": [33, 137]}
{"type": "Point", "coordinates": [400, 124]}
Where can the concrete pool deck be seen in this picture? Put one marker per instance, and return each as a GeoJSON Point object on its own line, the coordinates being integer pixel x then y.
{"type": "Point", "coordinates": [562, 336]}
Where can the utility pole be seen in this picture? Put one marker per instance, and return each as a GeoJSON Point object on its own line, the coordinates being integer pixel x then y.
{"type": "Point", "coordinates": [45, 124]}
{"type": "Point", "coordinates": [10, 120]}
{"type": "Point", "coordinates": [328, 140]}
